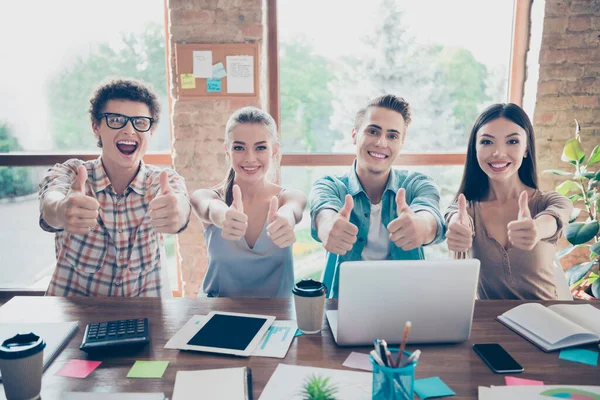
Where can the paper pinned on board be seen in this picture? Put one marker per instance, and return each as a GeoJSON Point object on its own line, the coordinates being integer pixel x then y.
{"type": "Point", "coordinates": [240, 70]}
{"type": "Point", "coordinates": [188, 81]}
{"type": "Point", "coordinates": [202, 62]}
{"type": "Point", "coordinates": [218, 71]}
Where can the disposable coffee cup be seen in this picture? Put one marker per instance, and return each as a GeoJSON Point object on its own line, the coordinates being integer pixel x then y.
{"type": "Point", "coordinates": [21, 360]}
{"type": "Point", "coordinates": [309, 299]}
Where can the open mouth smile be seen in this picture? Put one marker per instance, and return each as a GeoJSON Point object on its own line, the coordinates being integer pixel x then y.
{"type": "Point", "coordinates": [379, 156]}
{"type": "Point", "coordinates": [127, 147]}
{"type": "Point", "coordinates": [499, 166]}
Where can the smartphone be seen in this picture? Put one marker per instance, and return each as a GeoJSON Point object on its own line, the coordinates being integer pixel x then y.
{"type": "Point", "coordinates": [497, 358]}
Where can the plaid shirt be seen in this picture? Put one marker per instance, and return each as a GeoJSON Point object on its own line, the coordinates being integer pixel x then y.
{"type": "Point", "coordinates": [125, 255]}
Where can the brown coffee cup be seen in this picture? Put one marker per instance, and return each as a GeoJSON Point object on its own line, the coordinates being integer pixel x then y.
{"type": "Point", "coordinates": [309, 300]}
{"type": "Point", "coordinates": [21, 365]}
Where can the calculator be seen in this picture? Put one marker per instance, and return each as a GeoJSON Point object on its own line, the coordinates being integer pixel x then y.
{"type": "Point", "coordinates": [123, 333]}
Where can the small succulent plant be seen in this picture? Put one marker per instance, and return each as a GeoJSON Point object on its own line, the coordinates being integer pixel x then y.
{"type": "Point", "coordinates": [317, 387]}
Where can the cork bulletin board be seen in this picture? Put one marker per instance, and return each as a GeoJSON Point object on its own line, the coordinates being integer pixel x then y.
{"type": "Point", "coordinates": [235, 72]}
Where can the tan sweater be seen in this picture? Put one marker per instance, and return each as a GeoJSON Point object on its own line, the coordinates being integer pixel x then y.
{"type": "Point", "coordinates": [516, 273]}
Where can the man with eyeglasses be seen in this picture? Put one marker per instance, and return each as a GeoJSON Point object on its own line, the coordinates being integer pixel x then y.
{"type": "Point", "coordinates": [110, 214]}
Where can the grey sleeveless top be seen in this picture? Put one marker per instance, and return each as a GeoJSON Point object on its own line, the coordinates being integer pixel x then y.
{"type": "Point", "coordinates": [236, 270]}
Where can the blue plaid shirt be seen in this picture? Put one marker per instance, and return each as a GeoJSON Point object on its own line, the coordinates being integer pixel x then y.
{"type": "Point", "coordinates": [422, 194]}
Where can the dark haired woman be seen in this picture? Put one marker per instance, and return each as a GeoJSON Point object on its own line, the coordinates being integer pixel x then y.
{"type": "Point", "coordinates": [500, 216]}
{"type": "Point", "coordinates": [248, 220]}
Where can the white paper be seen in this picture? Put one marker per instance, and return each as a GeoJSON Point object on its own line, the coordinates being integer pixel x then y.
{"type": "Point", "coordinates": [202, 64]}
{"type": "Point", "coordinates": [240, 70]}
{"type": "Point", "coordinates": [218, 71]}
{"type": "Point", "coordinates": [358, 361]}
{"type": "Point", "coordinates": [275, 342]}
{"type": "Point", "coordinates": [287, 382]}
{"type": "Point", "coordinates": [214, 384]}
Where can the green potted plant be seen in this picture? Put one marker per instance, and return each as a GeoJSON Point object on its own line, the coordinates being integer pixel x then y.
{"type": "Point", "coordinates": [582, 187]}
{"type": "Point", "coordinates": [317, 387]}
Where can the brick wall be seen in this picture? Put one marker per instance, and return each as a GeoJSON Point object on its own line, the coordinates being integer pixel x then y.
{"type": "Point", "coordinates": [568, 88]}
{"type": "Point", "coordinates": [199, 126]}
{"type": "Point", "coordinates": [569, 82]}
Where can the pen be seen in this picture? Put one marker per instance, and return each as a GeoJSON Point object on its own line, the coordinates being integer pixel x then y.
{"type": "Point", "coordinates": [407, 327]}
{"type": "Point", "coordinates": [382, 353]}
{"type": "Point", "coordinates": [377, 358]}
{"type": "Point", "coordinates": [414, 357]}
{"type": "Point", "coordinates": [388, 355]}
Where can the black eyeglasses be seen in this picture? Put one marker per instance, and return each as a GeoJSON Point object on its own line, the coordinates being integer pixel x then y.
{"type": "Point", "coordinates": [118, 121]}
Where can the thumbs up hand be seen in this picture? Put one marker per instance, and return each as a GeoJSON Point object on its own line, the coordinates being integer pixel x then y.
{"type": "Point", "coordinates": [406, 231]}
{"type": "Point", "coordinates": [342, 234]}
{"type": "Point", "coordinates": [460, 231]}
{"type": "Point", "coordinates": [78, 211]}
{"type": "Point", "coordinates": [523, 233]}
{"type": "Point", "coordinates": [235, 222]}
{"type": "Point", "coordinates": [164, 212]}
{"type": "Point", "coordinates": [280, 228]}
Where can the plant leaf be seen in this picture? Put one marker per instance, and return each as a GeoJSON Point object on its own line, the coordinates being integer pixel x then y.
{"type": "Point", "coordinates": [574, 214]}
{"type": "Point", "coordinates": [576, 197]}
{"type": "Point", "coordinates": [567, 186]}
{"type": "Point", "coordinates": [558, 172]}
{"type": "Point", "coordinates": [578, 271]}
{"type": "Point", "coordinates": [596, 288]}
{"type": "Point", "coordinates": [595, 249]}
{"type": "Point", "coordinates": [573, 152]}
{"type": "Point", "coordinates": [595, 156]}
{"type": "Point", "coordinates": [565, 251]}
{"type": "Point", "coordinates": [581, 232]}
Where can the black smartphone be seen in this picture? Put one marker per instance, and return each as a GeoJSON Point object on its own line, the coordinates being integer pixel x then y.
{"type": "Point", "coordinates": [497, 358]}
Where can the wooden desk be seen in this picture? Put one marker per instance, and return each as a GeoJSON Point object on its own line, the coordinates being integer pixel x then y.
{"type": "Point", "coordinates": [457, 364]}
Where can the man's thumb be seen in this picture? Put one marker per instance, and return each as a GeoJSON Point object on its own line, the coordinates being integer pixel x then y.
{"type": "Point", "coordinates": [524, 212]}
{"type": "Point", "coordinates": [165, 187]}
{"type": "Point", "coordinates": [78, 184]}
{"type": "Point", "coordinates": [463, 216]}
{"type": "Point", "coordinates": [273, 207]}
{"type": "Point", "coordinates": [237, 199]}
{"type": "Point", "coordinates": [401, 201]}
{"type": "Point", "coordinates": [347, 209]}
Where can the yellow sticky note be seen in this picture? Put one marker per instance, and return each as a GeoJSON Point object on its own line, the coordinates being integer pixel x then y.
{"type": "Point", "coordinates": [188, 81]}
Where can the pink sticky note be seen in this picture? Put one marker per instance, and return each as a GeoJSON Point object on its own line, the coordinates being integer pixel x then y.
{"type": "Point", "coordinates": [359, 361]}
{"type": "Point", "coordinates": [78, 368]}
{"type": "Point", "coordinates": [514, 381]}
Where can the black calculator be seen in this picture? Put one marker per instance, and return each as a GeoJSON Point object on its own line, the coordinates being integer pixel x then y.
{"type": "Point", "coordinates": [123, 333]}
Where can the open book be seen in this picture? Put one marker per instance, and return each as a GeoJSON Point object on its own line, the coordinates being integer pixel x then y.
{"type": "Point", "coordinates": [554, 327]}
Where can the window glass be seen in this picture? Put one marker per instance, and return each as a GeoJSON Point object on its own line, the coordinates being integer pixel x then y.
{"type": "Point", "coordinates": [449, 60]}
{"type": "Point", "coordinates": [45, 89]}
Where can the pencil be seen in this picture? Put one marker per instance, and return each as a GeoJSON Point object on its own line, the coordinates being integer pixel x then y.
{"type": "Point", "coordinates": [407, 327]}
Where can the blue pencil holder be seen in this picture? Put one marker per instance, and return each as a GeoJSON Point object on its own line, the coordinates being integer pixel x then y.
{"type": "Point", "coordinates": [393, 383]}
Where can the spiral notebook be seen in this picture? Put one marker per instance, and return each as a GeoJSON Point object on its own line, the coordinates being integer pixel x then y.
{"type": "Point", "coordinates": [214, 384]}
{"type": "Point", "coordinates": [55, 334]}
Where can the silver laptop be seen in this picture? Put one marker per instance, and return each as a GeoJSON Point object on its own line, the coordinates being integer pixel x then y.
{"type": "Point", "coordinates": [376, 298]}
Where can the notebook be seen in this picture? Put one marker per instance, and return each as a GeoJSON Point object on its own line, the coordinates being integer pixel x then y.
{"type": "Point", "coordinates": [55, 334]}
{"type": "Point", "coordinates": [554, 327]}
{"type": "Point", "coordinates": [214, 384]}
{"type": "Point", "coordinates": [111, 396]}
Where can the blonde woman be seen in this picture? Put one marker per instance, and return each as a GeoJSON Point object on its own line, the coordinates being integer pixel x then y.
{"type": "Point", "coordinates": [248, 220]}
